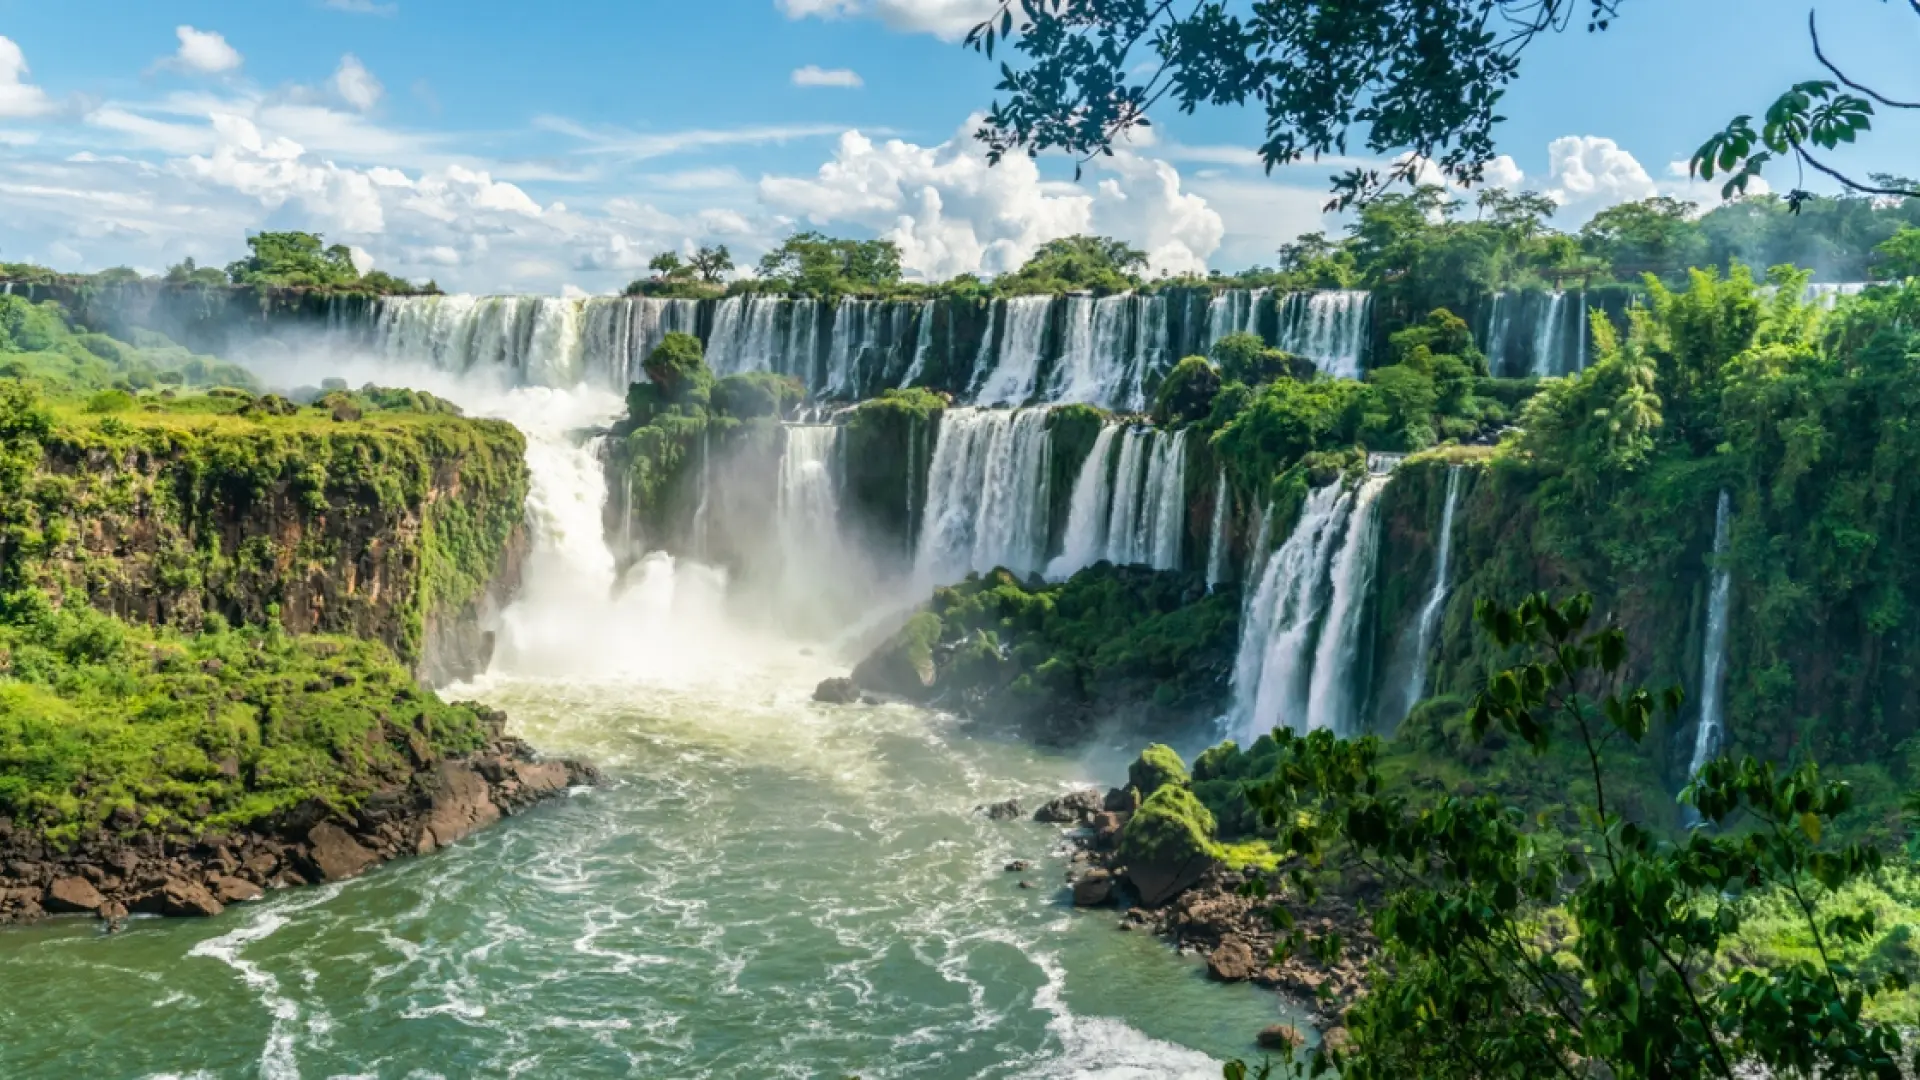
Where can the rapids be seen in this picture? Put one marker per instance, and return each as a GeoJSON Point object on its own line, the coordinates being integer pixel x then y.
{"type": "Point", "coordinates": [765, 886]}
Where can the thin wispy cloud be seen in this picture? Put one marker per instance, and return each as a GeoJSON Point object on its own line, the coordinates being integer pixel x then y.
{"type": "Point", "coordinates": [639, 146]}
{"type": "Point", "coordinates": [838, 78]}
{"type": "Point", "coordinates": [361, 7]}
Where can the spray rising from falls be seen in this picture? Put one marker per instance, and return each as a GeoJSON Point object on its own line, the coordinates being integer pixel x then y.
{"type": "Point", "coordinates": [1713, 665]}
{"type": "Point", "coordinates": [1430, 612]}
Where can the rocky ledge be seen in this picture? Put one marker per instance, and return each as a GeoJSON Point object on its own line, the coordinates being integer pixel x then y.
{"type": "Point", "coordinates": [1201, 906]}
{"type": "Point", "coordinates": [111, 877]}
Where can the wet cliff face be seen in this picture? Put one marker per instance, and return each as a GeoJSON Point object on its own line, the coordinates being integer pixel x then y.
{"type": "Point", "coordinates": [403, 529]}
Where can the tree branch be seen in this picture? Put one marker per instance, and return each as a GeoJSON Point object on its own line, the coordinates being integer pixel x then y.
{"type": "Point", "coordinates": [1855, 185]}
{"type": "Point", "coordinates": [1814, 33]}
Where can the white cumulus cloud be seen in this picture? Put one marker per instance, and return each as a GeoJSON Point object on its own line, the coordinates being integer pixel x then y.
{"type": "Point", "coordinates": [204, 51]}
{"type": "Point", "coordinates": [18, 97]}
{"type": "Point", "coordinates": [952, 213]}
{"type": "Point", "coordinates": [844, 78]}
{"type": "Point", "coordinates": [356, 85]}
{"type": "Point", "coordinates": [950, 19]}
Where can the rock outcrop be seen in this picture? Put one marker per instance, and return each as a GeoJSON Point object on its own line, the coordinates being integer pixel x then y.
{"type": "Point", "coordinates": [146, 872]}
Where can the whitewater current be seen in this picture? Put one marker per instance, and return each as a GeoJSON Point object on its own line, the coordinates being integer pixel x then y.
{"type": "Point", "coordinates": [764, 886]}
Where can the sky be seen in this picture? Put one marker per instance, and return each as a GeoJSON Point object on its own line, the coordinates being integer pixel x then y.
{"type": "Point", "coordinates": [517, 147]}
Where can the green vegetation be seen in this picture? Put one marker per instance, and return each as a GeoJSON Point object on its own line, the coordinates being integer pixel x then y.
{"type": "Point", "coordinates": [160, 548]}
{"type": "Point", "coordinates": [1055, 658]}
{"type": "Point", "coordinates": [1416, 82]}
{"type": "Point", "coordinates": [683, 421]}
{"type": "Point", "coordinates": [37, 342]}
{"type": "Point", "coordinates": [109, 725]}
{"type": "Point", "coordinates": [1077, 264]}
{"type": "Point", "coordinates": [700, 275]}
{"type": "Point", "coordinates": [1518, 946]}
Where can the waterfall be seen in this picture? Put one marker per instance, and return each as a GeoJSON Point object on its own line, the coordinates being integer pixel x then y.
{"type": "Point", "coordinates": [806, 512]}
{"type": "Point", "coordinates": [1546, 340]}
{"type": "Point", "coordinates": [1330, 328]}
{"type": "Point", "coordinates": [1713, 664]}
{"type": "Point", "coordinates": [1123, 522]}
{"type": "Point", "coordinates": [1584, 357]}
{"type": "Point", "coordinates": [1217, 542]}
{"type": "Point", "coordinates": [986, 494]}
{"type": "Point", "coordinates": [1014, 376]}
{"type": "Point", "coordinates": [1431, 611]}
{"type": "Point", "coordinates": [922, 345]}
{"type": "Point", "coordinates": [1336, 662]}
{"type": "Point", "coordinates": [1828, 294]}
{"type": "Point", "coordinates": [1165, 501]}
{"type": "Point", "coordinates": [1499, 329]}
{"type": "Point", "coordinates": [1152, 351]}
{"type": "Point", "coordinates": [703, 513]}
{"type": "Point", "coordinates": [531, 340]}
{"type": "Point", "coordinates": [1235, 311]}
{"type": "Point", "coordinates": [1269, 676]}
{"type": "Point", "coordinates": [1086, 539]}
{"type": "Point", "coordinates": [1096, 363]}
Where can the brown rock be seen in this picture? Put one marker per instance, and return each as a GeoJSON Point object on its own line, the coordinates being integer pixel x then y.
{"type": "Point", "coordinates": [336, 854]}
{"type": "Point", "coordinates": [262, 865]}
{"type": "Point", "coordinates": [1019, 866]}
{"type": "Point", "coordinates": [1281, 1037]}
{"type": "Point", "coordinates": [1093, 890]}
{"type": "Point", "coordinates": [1232, 961]}
{"type": "Point", "coordinates": [539, 779]}
{"type": "Point", "coordinates": [837, 692]}
{"type": "Point", "coordinates": [461, 807]}
{"type": "Point", "coordinates": [73, 895]}
{"type": "Point", "coordinates": [233, 890]}
{"type": "Point", "coordinates": [179, 899]}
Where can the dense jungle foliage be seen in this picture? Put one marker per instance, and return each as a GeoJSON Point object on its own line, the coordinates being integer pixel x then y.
{"type": "Point", "coordinates": [176, 567]}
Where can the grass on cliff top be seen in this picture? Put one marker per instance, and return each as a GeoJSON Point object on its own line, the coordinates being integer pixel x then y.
{"type": "Point", "coordinates": [107, 724]}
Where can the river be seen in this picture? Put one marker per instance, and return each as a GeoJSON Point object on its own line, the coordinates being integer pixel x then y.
{"type": "Point", "coordinates": [764, 887]}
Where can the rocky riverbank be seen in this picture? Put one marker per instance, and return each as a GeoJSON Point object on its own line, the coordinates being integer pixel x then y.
{"type": "Point", "coordinates": [1203, 905]}
{"type": "Point", "coordinates": [112, 876]}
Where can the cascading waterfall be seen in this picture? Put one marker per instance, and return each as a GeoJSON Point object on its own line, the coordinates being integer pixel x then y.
{"type": "Point", "coordinates": [1217, 535]}
{"type": "Point", "coordinates": [1330, 328]}
{"type": "Point", "coordinates": [1165, 500]}
{"type": "Point", "coordinates": [986, 494]}
{"type": "Point", "coordinates": [1713, 664]}
{"type": "Point", "coordinates": [703, 512]}
{"type": "Point", "coordinates": [1129, 477]}
{"type": "Point", "coordinates": [1086, 539]}
{"type": "Point", "coordinates": [807, 512]}
{"type": "Point", "coordinates": [1336, 661]}
{"type": "Point", "coordinates": [1547, 336]}
{"type": "Point", "coordinates": [1023, 337]}
{"type": "Point", "coordinates": [1270, 675]}
{"type": "Point", "coordinates": [1499, 328]}
{"type": "Point", "coordinates": [1234, 311]}
{"type": "Point", "coordinates": [923, 344]}
{"type": "Point", "coordinates": [1430, 612]}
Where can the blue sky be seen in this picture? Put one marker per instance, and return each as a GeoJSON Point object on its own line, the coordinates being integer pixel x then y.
{"type": "Point", "coordinates": [515, 146]}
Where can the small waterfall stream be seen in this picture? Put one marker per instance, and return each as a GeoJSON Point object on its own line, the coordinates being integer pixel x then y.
{"type": "Point", "coordinates": [1217, 535]}
{"type": "Point", "coordinates": [1710, 732]}
{"type": "Point", "coordinates": [1429, 626]}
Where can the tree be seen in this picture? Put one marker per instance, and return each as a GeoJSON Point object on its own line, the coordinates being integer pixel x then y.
{"type": "Point", "coordinates": [712, 263]}
{"type": "Point", "coordinates": [285, 259]}
{"type": "Point", "coordinates": [1899, 256]}
{"type": "Point", "coordinates": [819, 265]}
{"type": "Point", "coordinates": [1420, 81]}
{"type": "Point", "coordinates": [1514, 949]}
{"type": "Point", "coordinates": [185, 272]}
{"type": "Point", "coordinates": [1186, 394]}
{"type": "Point", "coordinates": [1079, 263]}
{"type": "Point", "coordinates": [1652, 236]}
{"type": "Point", "coordinates": [1247, 358]}
{"type": "Point", "coordinates": [668, 265]}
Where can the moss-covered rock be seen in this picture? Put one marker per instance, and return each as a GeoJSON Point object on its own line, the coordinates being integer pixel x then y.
{"type": "Point", "coordinates": [1157, 766]}
{"type": "Point", "coordinates": [1167, 845]}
